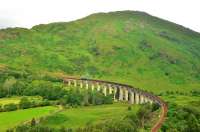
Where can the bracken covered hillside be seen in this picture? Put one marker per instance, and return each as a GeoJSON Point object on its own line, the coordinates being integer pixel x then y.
{"type": "Point", "coordinates": [127, 46]}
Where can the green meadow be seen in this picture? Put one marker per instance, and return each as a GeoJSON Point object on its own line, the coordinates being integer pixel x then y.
{"type": "Point", "coordinates": [11, 119]}
{"type": "Point", "coordinates": [80, 117]}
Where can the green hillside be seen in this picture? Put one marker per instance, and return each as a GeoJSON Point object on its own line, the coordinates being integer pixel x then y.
{"type": "Point", "coordinates": [127, 46]}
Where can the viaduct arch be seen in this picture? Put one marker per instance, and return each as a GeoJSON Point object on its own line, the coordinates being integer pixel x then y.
{"type": "Point", "coordinates": [121, 92]}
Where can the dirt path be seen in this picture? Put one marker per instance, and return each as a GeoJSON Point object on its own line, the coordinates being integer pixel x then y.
{"type": "Point", "coordinates": [157, 126]}
{"type": "Point", "coordinates": [157, 99]}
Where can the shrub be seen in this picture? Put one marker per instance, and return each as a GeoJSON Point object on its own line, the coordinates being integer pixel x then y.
{"type": "Point", "coordinates": [155, 106]}
{"type": "Point", "coordinates": [1, 107]}
{"type": "Point", "coordinates": [33, 122]}
{"type": "Point", "coordinates": [45, 102]}
{"type": "Point", "coordinates": [25, 103]}
{"type": "Point", "coordinates": [129, 108]}
{"type": "Point", "coordinates": [108, 99]}
{"type": "Point", "coordinates": [10, 107]}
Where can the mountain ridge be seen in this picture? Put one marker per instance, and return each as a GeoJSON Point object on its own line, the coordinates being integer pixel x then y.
{"type": "Point", "coordinates": [125, 46]}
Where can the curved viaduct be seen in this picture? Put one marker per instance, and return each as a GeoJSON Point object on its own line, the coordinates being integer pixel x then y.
{"type": "Point", "coordinates": [121, 92]}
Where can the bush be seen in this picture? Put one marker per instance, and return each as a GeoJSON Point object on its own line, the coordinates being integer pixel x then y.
{"type": "Point", "coordinates": [25, 103]}
{"type": "Point", "coordinates": [121, 125]}
{"type": "Point", "coordinates": [108, 99]}
{"type": "Point", "coordinates": [1, 107]}
{"type": "Point", "coordinates": [129, 108]}
{"type": "Point", "coordinates": [10, 107]}
{"type": "Point", "coordinates": [45, 102]}
{"type": "Point", "coordinates": [155, 106]}
{"type": "Point", "coordinates": [29, 128]}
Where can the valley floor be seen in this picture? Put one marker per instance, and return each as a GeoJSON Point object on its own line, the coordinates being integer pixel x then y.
{"type": "Point", "coordinates": [80, 117]}
{"type": "Point", "coordinates": [13, 118]}
{"type": "Point", "coordinates": [67, 117]}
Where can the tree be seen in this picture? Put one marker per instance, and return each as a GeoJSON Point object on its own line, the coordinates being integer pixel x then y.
{"type": "Point", "coordinates": [143, 114]}
{"type": "Point", "coordinates": [45, 89]}
{"type": "Point", "coordinates": [18, 88]}
{"type": "Point", "coordinates": [24, 103]}
{"type": "Point", "coordinates": [3, 92]}
{"type": "Point", "coordinates": [74, 97]}
{"type": "Point", "coordinates": [8, 84]}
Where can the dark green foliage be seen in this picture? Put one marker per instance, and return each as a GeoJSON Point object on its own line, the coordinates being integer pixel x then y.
{"type": "Point", "coordinates": [10, 130]}
{"type": "Point", "coordinates": [129, 108]}
{"type": "Point", "coordinates": [33, 122]}
{"type": "Point", "coordinates": [29, 128]}
{"type": "Point", "coordinates": [195, 93]}
{"type": "Point", "coordinates": [144, 114]}
{"type": "Point", "coordinates": [1, 107]}
{"type": "Point", "coordinates": [45, 89]}
{"type": "Point", "coordinates": [118, 125]}
{"type": "Point", "coordinates": [10, 107]}
{"type": "Point", "coordinates": [75, 97]}
{"type": "Point", "coordinates": [25, 103]}
{"type": "Point", "coordinates": [155, 106]}
{"type": "Point", "coordinates": [144, 45]}
{"type": "Point", "coordinates": [182, 118]}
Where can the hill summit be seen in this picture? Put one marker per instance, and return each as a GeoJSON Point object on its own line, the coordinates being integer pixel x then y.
{"type": "Point", "coordinates": [126, 46]}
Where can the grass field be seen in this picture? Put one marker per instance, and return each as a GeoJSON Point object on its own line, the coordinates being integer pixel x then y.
{"type": "Point", "coordinates": [79, 117]}
{"type": "Point", "coordinates": [11, 119]}
{"type": "Point", "coordinates": [16, 99]}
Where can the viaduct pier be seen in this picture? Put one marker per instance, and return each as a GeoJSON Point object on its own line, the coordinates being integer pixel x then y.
{"type": "Point", "coordinates": [121, 92]}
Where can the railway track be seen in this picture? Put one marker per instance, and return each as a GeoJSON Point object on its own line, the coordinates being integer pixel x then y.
{"type": "Point", "coordinates": [154, 98]}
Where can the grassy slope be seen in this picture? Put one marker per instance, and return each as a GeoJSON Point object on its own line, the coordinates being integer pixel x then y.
{"type": "Point", "coordinates": [79, 117]}
{"type": "Point", "coordinates": [182, 100]}
{"type": "Point", "coordinates": [129, 47]}
{"type": "Point", "coordinates": [11, 119]}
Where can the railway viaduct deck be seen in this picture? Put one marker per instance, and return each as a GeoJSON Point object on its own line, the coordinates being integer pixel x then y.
{"type": "Point", "coordinates": [121, 92]}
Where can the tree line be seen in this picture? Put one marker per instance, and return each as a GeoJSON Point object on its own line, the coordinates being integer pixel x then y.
{"type": "Point", "coordinates": [53, 93]}
{"type": "Point", "coordinates": [182, 118]}
{"type": "Point", "coordinates": [24, 103]}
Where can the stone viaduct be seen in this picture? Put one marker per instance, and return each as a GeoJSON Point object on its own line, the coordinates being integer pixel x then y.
{"type": "Point", "coordinates": [121, 92]}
